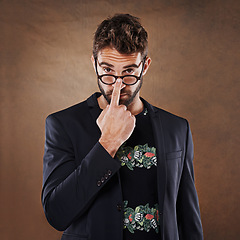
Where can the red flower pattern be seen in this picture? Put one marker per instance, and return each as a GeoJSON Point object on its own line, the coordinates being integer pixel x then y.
{"type": "Point", "coordinates": [149, 216]}
{"type": "Point", "coordinates": [149, 154]}
{"type": "Point", "coordinates": [150, 219]}
{"type": "Point", "coordinates": [129, 156]}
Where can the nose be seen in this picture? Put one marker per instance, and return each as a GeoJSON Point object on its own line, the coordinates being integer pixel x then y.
{"type": "Point", "coordinates": [122, 85]}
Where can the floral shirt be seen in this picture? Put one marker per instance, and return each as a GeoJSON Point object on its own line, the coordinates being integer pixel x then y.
{"type": "Point", "coordinates": [139, 182]}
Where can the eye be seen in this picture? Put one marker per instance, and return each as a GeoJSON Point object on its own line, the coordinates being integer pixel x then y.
{"type": "Point", "coordinates": [107, 70]}
{"type": "Point", "coordinates": [129, 71]}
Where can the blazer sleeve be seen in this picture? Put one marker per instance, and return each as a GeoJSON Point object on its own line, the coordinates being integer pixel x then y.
{"type": "Point", "coordinates": [68, 189]}
{"type": "Point", "coordinates": [188, 213]}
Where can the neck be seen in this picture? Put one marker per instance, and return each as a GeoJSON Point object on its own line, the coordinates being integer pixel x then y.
{"type": "Point", "coordinates": [135, 107]}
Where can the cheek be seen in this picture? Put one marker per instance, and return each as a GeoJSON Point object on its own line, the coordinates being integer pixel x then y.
{"type": "Point", "coordinates": [106, 88]}
{"type": "Point", "coordinates": [134, 87]}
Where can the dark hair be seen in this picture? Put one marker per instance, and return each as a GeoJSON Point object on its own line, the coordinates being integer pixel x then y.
{"type": "Point", "coordinates": [122, 32]}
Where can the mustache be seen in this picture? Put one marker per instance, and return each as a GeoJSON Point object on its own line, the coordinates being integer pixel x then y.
{"type": "Point", "coordinates": [109, 93]}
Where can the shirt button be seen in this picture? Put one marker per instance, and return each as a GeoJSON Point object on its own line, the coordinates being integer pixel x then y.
{"type": "Point", "coordinates": [119, 207]}
{"type": "Point", "coordinates": [99, 183]}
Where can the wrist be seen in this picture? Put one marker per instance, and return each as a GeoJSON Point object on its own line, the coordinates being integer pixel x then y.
{"type": "Point", "coordinates": [110, 146]}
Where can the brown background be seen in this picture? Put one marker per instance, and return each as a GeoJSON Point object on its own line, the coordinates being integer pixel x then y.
{"type": "Point", "coordinates": [45, 50]}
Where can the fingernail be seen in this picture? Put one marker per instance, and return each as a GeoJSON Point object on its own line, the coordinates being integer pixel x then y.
{"type": "Point", "coordinates": [118, 80]}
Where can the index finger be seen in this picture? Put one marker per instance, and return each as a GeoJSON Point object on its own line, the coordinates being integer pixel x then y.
{"type": "Point", "coordinates": [116, 93]}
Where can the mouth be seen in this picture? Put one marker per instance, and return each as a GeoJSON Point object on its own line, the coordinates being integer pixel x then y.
{"type": "Point", "coordinates": [123, 95]}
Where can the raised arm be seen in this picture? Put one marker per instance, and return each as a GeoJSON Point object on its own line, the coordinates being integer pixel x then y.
{"type": "Point", "coordinates": [116, 123]}
{"type": "Point", "coordinates": [68, 189]}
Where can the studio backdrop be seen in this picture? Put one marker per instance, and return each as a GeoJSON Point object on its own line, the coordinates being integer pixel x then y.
{"type": "Point", "coordinates": [45, 66]}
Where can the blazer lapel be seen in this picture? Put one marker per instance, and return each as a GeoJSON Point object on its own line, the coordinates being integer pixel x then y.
{"type": "Point", "coordinates": [94, 111]}
{"type": "Point", "coordinates": [93, 105]}
{"type": "Point", "coordinates": [161, 156]}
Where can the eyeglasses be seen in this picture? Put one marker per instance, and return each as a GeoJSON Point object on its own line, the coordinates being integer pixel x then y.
{"type": "Point", "coordinates": [110, 79]}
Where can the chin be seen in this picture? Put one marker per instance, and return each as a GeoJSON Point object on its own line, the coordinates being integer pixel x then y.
{"type": "Point", "coordinates": [122, 102]}
{"type": "Point", "coordinates": [126, 102]}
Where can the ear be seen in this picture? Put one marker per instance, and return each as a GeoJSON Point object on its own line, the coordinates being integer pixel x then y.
{"type": "Point", "coordinates": [93, 63]}
{"type": "Point", "coordinates": [147, 64]}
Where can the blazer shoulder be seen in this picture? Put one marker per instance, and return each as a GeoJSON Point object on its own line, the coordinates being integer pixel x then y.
{"type": "Point", "coordinates": [78, 110]}
{"type": "Point", "coordinates": [165, 114]}
{"type": "Point", "coordinates": [69, 112]}
{"type": "Point", "coordinates": [170, 120]}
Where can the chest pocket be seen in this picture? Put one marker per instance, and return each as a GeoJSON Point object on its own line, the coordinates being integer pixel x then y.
{"type": "Point", "coordinates": [174, 155]}
{"type": "Point", "coordinates": [174, 169]}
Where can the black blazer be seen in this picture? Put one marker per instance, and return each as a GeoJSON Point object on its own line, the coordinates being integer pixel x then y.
{"type": "Point", "coordinates": [81, 192]}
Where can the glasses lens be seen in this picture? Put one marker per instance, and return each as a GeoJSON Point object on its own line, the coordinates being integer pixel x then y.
{"type": "Point", "coordinates": [108, 79]}
{"type": "Point", "coordinates": [130, 80]}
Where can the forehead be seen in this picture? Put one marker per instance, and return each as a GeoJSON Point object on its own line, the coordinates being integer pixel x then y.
{"type": "Point", "coordinates": [112, 56]}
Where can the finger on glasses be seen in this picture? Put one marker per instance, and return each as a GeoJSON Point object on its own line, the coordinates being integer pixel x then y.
{"type": "Point", "coordinates": [116, 93]}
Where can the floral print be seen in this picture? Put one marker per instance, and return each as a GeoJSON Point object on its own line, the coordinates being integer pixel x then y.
{"type": "Point", "coordinates": [142, 218]}
{"type": "Point", "coordinates": [139, 156]}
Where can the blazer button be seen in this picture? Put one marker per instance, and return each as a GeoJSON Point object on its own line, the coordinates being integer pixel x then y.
{"type": "Point", "coordinates": [119, 207]}
{"type": "Point", "coordinates": [102, 179]}
{"type": "Point", "coordinates": [99, 183]}
{"type": "Point", "coordinates": [109, 172]}
{"type": "Point", "coordinates": [106, 176]}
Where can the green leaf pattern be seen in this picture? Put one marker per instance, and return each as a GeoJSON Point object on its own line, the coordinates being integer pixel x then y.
{"type": "Point", "coordinates": [140, 156]}
{"type": "Point", "coordinates": [143, 218]}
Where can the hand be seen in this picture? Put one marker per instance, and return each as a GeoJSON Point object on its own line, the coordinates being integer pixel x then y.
{"type": "Point", "coordinates": [115, 122]}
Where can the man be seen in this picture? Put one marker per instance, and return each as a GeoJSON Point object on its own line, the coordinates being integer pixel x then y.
{"type": "Point", "coordinates": [116, 167]}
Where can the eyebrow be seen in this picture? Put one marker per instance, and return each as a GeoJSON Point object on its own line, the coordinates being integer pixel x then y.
{"type": "Point", "coordinates": [105, 63]}
{"type": "Point", "coordinates": [128, 66]}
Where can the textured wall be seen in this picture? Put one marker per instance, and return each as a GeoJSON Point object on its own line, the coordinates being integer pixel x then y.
{"type": "Point", "coordinates": [45, 50]}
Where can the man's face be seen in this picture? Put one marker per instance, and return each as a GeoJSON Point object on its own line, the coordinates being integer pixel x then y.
{"type": "Point", "coordinates": [110, 61]}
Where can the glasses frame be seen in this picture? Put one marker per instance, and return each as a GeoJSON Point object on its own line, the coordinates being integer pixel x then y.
{"type": "Point", "coordinates": [122, 77]}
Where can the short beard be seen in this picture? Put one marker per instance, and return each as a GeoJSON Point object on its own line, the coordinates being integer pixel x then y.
{"type": "Point", "coordinates": [126, 102]}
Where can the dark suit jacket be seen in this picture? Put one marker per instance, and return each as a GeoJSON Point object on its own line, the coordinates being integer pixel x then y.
{"type": "Point", "coordinates": [81, 192]}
